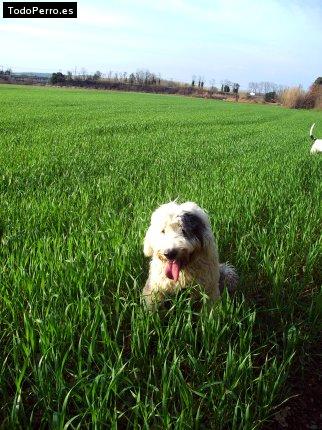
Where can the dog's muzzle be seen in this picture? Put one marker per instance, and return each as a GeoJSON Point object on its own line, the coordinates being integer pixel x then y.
{"type": "Point", "coordinates": [172, 269]}
{"type": "Point", "coordinates": [173, 263]}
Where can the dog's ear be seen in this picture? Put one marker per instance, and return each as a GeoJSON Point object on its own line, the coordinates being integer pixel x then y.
{"type": "Point", "coordinates": [193, 226]}
{"type": "Point", "coordinates": [147, 248]}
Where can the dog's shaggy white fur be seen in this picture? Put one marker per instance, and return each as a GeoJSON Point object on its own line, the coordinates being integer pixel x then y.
{"type": "Point", "coordinates": [184, 252]}
{"type": "Point", "coordinates": [317, 145]}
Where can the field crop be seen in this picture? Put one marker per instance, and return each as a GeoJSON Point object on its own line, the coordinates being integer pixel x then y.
{"type": "Point", "coordinates": [80, 173]}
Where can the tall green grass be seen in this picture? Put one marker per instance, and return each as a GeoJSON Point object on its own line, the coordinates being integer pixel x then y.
{"type": "Point", "coordinates": [80, 173]}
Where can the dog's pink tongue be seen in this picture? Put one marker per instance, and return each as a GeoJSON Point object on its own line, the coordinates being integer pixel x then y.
{"type": "Point", "coordinates": [172, 270]}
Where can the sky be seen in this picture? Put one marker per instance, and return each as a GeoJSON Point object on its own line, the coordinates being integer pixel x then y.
{"type": "Point", "coordinates": [239, 40]}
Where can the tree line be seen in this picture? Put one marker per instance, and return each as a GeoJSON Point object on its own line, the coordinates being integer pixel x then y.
{"type": "Point", "coordinates": [146, 81]}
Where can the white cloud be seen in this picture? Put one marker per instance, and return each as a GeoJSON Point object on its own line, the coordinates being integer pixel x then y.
{"type": "Point", "coordinates": [100, 17]}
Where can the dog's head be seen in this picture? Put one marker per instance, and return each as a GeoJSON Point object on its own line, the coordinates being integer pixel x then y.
{"type": "Point", "coordinates": [176, 233]}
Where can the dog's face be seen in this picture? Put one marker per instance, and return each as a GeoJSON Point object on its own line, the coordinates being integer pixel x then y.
{"type": "Point", "coordinates": [175, 234]}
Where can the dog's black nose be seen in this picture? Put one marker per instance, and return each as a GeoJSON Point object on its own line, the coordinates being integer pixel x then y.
{"type": "Point", "coordinates": [171, 254]}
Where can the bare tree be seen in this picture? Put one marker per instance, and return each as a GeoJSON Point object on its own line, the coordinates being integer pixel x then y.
{"type": "Point", "coordinates": [83, 73]}
{"type": "Point", "coordinates": [262, 87]}
{"type": "Point", "coordinates": [229, 84]}
{"type": "Point", "coordinates": [132, 78]}
{"type": "Point", "coordinates": [139, 76]}
{"type": "Point", "coordinates": [213, 85]}
{"type": "Point", "coordinates": [97, 75]}
{"type": "Point", "coordinates": [235, 87]}
{"type": "Point", "coordinates": [252, 87]}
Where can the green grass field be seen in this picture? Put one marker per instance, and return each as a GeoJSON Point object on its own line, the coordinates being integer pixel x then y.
{"type": "Point", "coordinates": [81, 173]}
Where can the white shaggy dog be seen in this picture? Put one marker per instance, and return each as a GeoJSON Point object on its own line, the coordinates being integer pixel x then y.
{"type": "Point", "coordinates": [184, 252]}
{"type": "Point", "coordinates": [317, 145]}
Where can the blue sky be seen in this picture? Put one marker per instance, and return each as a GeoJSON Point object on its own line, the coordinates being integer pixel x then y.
{"type": "Point", "coordinates": [238, 40]}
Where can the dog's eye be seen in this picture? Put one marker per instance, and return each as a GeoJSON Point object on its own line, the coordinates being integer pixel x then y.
{"type": "Point", "coordinates": [184, 232]}
{"type": "Point", "coordinates": [163, 231]}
